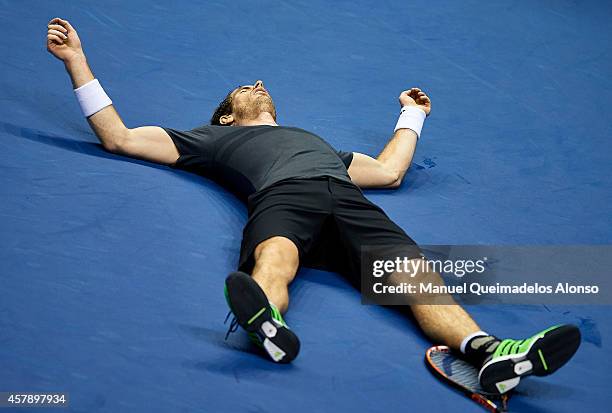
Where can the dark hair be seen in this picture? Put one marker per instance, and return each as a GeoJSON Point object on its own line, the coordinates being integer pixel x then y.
{"type": "Point", "coordinates": [224, 108]}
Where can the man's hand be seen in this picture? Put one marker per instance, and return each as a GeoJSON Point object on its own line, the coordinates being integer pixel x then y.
{"type": "Point", "coordinates": [415, 97]}
{"type": "Point", "coordinates": [62, 40]}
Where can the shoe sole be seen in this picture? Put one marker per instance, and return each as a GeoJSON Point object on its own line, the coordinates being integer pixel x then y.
{"type": "Point", "coordinates": [253, 313]}
{"type": "Point", "coordinates": [545, 356]}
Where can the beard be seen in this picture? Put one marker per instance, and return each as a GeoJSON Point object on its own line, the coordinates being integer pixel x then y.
{"type": "Point", "coordinates": [257, 106]}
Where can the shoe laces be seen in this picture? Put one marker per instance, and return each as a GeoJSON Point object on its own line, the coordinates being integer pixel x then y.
{"type": "Point", "coordinates": [233, 325]}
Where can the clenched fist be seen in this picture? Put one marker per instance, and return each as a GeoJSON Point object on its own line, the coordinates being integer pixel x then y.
{"type": "Point", "coordinates": [62, 40]}
{"type": "Point", "coordinates": [415, 97]}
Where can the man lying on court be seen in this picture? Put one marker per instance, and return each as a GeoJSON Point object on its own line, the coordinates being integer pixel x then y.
{"type": "Point", "coordinates": [305, 208]}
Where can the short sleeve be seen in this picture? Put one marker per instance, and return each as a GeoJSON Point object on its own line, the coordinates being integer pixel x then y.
{"type": "Point", "coordinates": [347, 158]}
{"type": "Point", "coordinates": [196, 148]}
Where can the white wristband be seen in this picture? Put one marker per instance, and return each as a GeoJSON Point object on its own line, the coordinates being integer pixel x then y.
{"type": "Point", "coordinates": [92, 98]}
{"type": "Point", "coordinates": [411, 118]}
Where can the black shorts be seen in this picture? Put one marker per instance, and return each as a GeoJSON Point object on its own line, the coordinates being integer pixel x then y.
{"type": "Point", "coordinates": [329, 220]}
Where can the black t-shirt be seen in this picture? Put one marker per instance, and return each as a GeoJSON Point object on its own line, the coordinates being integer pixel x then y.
{"type": "Point", "coordinates": [250, 158]}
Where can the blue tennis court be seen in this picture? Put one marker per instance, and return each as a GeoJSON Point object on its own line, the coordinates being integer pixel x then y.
{"type": "Point", "coordinates": [112, 269]}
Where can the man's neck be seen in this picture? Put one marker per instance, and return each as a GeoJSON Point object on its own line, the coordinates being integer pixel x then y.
{"type": "Point", "coordinates": [264, 118]}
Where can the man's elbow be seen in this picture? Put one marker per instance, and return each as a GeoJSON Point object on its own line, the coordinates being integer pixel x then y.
{"type": "Point", "coordinates": [117, 142]}
{"type": "Point", "coordinates": [394, 179]}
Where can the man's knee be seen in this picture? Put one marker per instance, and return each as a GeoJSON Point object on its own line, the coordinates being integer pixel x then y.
{"type": "Point", "coordinates": [279, 256]}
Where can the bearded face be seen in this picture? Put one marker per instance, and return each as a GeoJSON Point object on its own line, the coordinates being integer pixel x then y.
{"type": "Point", "coordinates": [249, 102]}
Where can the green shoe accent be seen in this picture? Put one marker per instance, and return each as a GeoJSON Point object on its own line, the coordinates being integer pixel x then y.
{"type": "Point", "coordinates": [542, 359]}
{"type": "Point", "coordinates": [539, 355]}
{"type": "Point", "coordinates": [277, 315]}
{"type": "Point", "coordinates": [510, 346]}
{"type": "Point", "coordinates": [227, 300]}
{"type": "Point", "coordinates": [256, 315]}
{"type": "Point", "coordinates": [259, 318]}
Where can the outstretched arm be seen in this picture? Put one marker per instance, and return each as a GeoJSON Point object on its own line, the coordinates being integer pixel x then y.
{"type": "Point", "coordinates": [389, 168]}
{"type": "Point", "coordinates": [151, 143]}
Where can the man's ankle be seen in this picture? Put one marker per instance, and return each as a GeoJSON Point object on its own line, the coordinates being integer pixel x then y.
{"type": "Point", "coordinates": [478, 347]}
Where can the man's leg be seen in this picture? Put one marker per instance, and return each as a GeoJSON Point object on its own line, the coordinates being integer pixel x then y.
{"type": "Point", "coordinates": [501, 362]}
{"type": "Point", "coordinates": [363, 228]}
{"type": "Point", "coordinates": [257, 300]}
{"type": "Point", "coordinates": [285, 220]}
{"type": "Point", "coordinates": [276, 263]}
{"type": "Point", "coordinates": [445, 324]}
{"type": "Point", "coordinates": [439, 316]}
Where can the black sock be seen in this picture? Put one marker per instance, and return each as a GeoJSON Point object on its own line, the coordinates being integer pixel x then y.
{"type": "Point", "coordinates": [480, 348]}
